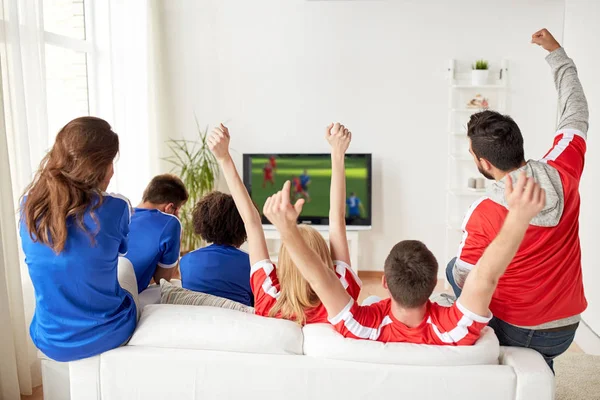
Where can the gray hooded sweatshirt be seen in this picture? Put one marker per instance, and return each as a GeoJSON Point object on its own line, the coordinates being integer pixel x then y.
{"type": "Point", "coordinates": [573, 115]}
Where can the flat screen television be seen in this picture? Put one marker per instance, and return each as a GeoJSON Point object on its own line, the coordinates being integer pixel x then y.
{"type": "Point", "coordinates": [310, 174]}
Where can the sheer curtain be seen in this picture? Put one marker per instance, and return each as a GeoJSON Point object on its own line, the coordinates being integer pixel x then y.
{"type": "Point", "coordinates": [23, 140]}
{"type": "Point", "coordinates": [128, 55]}
{"type": "Point", "coordinates": [122, 68]}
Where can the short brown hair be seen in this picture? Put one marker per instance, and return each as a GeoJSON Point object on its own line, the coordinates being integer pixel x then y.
{"type": "Point", "coordinates": [165, 189]}
{"type": "Point", "coordinates": [497, 138]}
{"type": "Point", "coordinates": [217, 220]}
{"type": "Point", "coordinates": [411, 273]}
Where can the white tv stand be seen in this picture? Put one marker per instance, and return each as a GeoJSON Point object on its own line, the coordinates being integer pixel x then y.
{"type": "Point", "coordinates": [271, 234]}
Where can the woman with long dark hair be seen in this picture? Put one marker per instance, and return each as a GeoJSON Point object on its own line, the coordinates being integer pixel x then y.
{"type": "Point", "coordinates": [73, 234]}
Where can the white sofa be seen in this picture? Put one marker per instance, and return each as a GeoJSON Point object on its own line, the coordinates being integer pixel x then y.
{"type": "Point", "coordinates": [190, 352]}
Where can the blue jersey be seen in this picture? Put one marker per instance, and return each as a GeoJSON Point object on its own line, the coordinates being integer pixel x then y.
{"type": "Point", "coordinates": [80, 308]}
{"type": "Point", "coordinates": [222, 271]}
{"type": "Point", "coordinates": [304, 179]}
{"type": "Point", "coordinates": [154, 239]}
{"type": "Point", "coordinates": [353, 204]}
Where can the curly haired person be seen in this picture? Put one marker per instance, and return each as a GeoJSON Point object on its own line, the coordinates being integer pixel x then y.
{"type": "Point", "coordinates": [220, 269]}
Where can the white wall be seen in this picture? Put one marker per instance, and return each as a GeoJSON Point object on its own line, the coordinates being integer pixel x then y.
{"type": "Point", "coordinates": [279, 71]}
{"type": "Point", "coordinates": [582, 28]}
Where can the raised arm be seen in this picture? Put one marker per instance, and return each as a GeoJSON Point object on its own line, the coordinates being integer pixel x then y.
{"type": "Point", "coordinates": [322, 279]}
{"type": "Point", "coordinates": [339, 138]}
{"type": "Point", "coordinates": [219, 145]}
{"type": "Point", "coordinates": [524, 202]}
{"type": "Point", "coordinates": [572, 104]}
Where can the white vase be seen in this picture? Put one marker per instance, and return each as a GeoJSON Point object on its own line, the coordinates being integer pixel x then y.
{"type": "Point", "coordinates": [480, 76]}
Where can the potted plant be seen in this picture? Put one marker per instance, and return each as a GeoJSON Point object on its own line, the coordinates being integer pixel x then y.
{"type": "Point", "coordinates": [480, 73]}
{"type": "Point", "coordinates": [198, 169]}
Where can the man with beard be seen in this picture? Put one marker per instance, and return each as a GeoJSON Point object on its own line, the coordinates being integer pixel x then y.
{"type": "Point", "coordinates": [538, 301]}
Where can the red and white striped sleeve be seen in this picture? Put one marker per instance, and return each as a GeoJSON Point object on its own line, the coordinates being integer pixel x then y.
{"type": "Point", "coordinates": [361, 322]}
{"type": "Point", "coordinates": [264, 285]}
{"type": "Point", "coordinates": [348, 278]}
{"type": "Point", "coordinates": [456, 325]}
{"type": "Point", "coordinates": [478, 233]}
{"type": "Point", "coordinates": [568, 152]}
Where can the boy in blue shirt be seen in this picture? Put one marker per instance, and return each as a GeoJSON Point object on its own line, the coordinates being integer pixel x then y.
{"type": "Point", "coordinates": [220, 269]}
{"type": "Point", "coordinates": [155, 230]}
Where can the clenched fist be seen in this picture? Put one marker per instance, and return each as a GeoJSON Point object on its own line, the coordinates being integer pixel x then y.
{"type": "Point", "coordinates": [545, 39]}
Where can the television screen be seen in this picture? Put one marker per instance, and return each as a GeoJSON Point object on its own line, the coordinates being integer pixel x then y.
{"type": "Point", "coordinates": [310, 174]}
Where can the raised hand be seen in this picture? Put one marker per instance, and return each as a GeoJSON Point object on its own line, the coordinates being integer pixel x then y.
{"type": "Point", "coordinates": [279, 210]}
{"type": "Point", "coordinates": [526, 199]}
{"type": "Point", "coordinates": [545, 39]}
{"type": "Point", "coordinates": [339, 137]}
{"type": "Point", "coordinates": [218, 142]}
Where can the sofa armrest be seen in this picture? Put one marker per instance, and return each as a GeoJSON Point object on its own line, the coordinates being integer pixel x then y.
{"type": "Point", "coordinates": [535, 380]}
{"type": "Point", "coordinates": [85, 379]}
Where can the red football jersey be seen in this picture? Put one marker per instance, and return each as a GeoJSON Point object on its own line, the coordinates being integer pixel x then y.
{"type": "Point", "coordinates": [455, 326]}
{"type": "Point", "coordinates": [543, 283]}
{"type": "Point", "coordinates": [268, 172]}
{"type": "Point", "coordinates": [298, 185]}
{"type": "Point", "coordinates": [265, 286]}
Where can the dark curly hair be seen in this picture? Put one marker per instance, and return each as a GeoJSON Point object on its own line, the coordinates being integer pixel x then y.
{"type": "Point", "coordinates": [217, 220]}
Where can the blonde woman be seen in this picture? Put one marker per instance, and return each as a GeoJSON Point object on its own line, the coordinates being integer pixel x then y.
{"type": "Point", "coordinates": [281, 291]}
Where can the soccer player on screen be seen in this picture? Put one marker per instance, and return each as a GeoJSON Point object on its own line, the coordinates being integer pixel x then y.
{"type": "Point", "coordinates": [355, 206]}
{"type": "Point", "coordinates": [305, 181]}
{"type": "Point", "coordinates": [273, 163]}
{"type": "Point", "coordinates": [268, 175]}
{"type": "Point", "coordinates": [297, 189]}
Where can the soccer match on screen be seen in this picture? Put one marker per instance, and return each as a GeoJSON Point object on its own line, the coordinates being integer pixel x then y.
{"type": "Point", "coordinates": [310, 176]}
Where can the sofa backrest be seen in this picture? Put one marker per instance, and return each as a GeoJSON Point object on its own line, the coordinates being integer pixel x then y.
{"type": "Point", "coordinates": [211, 328]}
{"type": "Point", "coordinates": [321, 340]}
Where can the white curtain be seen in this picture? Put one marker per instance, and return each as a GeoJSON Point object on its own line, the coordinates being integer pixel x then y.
{"type": "Point", "coordinates": [23, 140]}
{"type": "Point", "coordinates": [129, 54]}
{"type": "Point", "coordinates": [122, 72]}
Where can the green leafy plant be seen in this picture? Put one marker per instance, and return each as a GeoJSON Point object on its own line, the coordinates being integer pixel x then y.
{"type": "Point", "coordinates": [480, 64]}
{"type": "Point", "coordinates": [198, 169]}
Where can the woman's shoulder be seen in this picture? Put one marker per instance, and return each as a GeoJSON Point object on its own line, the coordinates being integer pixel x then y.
{"type": "Point", "coordinates": [118, 201]}
{"type": "Point", "coordinates": [116, 197]}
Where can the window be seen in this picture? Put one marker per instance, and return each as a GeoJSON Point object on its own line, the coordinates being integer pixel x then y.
{"type": "Point", "coordinates": [67, 55]}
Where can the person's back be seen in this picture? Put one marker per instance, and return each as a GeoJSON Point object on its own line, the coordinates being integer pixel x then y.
{"type": "Point", "coordinates": [539, 300]}
{"type": "Point", "coordinates": [220, 269]}
{"type": "Point", "coordinates": [155, 235]}
{"type": "Point", "coordinates": [78, 297]}
{"type": "Point", "coordinates": [533, 291]}
{"type": "Point", "coordinates": [73, 253]}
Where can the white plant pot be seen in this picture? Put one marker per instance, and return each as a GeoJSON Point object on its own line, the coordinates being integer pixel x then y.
{"type": "Point", "coordinates": [480, 76]}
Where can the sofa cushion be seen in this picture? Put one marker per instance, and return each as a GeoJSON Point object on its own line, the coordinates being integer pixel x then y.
{"type": "Point", "coordinates": [321, 340]}
{"type": "Point", "coordinates": [212, 328]}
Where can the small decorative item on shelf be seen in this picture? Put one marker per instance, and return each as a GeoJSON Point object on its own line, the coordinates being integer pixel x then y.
{"type": "Point", "coordinates": [478, 102]}
{"type": "Point", "coordinates": [477, 184]}
{"type": "Point", "coordinates": [480, 73]}
{"type": "Point", "coordinates": [480, 185]}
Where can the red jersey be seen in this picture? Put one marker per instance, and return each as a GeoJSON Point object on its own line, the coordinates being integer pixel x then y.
{"type": "Point", "coordinates": [298, 185]}
{"type": "Point", "coordinates": [273, 162]}
{"type": "Point", "coordinates": [268, 170]}
{"type": "Point", "coordinates": [265, 286]}
{"type": "Point", "coordinates": [543, 283]}
{"type": "Point", "coordinates": [455, 326]}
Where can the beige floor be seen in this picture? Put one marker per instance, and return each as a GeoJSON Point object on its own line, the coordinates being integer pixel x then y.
{"type": "Point", "coordinates": [371, 287]}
